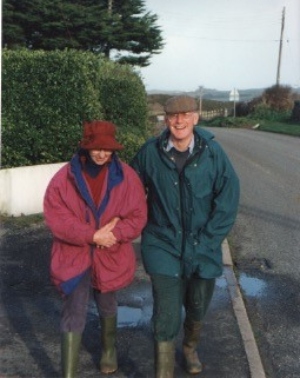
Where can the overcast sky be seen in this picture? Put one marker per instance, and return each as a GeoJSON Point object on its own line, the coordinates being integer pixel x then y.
{"type": "Point", "coordinates": [224, 44]}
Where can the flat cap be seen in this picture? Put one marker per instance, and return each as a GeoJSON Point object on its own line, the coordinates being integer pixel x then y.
{"type": "Point", "coordinates": [181, 104]}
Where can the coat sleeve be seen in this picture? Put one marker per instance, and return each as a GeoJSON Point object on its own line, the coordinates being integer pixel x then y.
{"type": "Point", "coordinates": [133, 216]}
{"type": "Point", "coordinates": [138, 163]}
{"type": "Point", "coordinates": [225, 203]}
{"type": "Point", "coordinates": [64, 215]}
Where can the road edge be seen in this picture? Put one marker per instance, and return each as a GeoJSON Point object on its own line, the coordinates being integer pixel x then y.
{"type": "Point", "coordinates": [239, 308]}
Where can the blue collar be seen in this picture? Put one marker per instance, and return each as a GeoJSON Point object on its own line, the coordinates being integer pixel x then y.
{"type": "Point", "coordinates": [115, 176]}
{"type": "Point", "coordinates": [190, 146]}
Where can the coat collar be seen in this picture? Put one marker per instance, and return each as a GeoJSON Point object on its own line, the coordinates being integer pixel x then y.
{"type": "Point", "coordinates": [201, 138]}
{"type": "Point", "coordinates": [115, 176]}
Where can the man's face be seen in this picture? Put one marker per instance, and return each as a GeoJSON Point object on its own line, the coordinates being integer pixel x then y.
{"type": "Point", "coordinates": [181, 125]}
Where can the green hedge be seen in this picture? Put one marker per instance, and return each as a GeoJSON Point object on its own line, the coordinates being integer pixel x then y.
{"type": "Point", "coordinates": [123, 97]}
{"type": "Point", "coordinates": [47, 95]}
{"type": "Point", "coordinates": [132, 143]}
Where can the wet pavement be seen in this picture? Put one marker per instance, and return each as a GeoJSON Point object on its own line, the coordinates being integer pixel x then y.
{"type": "Point", "coordinates": [30, 313]}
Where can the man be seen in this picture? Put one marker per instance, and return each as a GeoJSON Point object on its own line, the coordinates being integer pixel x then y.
{"type": "Point", "coordinates": [192, 193]}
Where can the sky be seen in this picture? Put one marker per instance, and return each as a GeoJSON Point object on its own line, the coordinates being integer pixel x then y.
{"type": "Point", "coordinates": [224, 44]}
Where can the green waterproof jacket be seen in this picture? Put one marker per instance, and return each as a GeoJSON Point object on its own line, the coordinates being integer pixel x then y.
{"type": "Point", "coordinates": [189, 214]}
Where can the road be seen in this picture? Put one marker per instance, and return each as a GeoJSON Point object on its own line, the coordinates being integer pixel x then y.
{"type": "Point", "coordinates": [30, 314]}
{"type": "Point", "coordinates": [265, 241]}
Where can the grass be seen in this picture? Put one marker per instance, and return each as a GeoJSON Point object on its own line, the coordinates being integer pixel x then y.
{"type": "Point", "coordinates": [22, 221]}
{"type": "Point", "coordinates": [287, 128]}
{"type": "Point", "coordinates": [278, 126]}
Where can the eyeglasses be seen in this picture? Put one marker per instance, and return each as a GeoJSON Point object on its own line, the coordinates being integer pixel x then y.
{"type": "Point", "coordinates": [185, 116]}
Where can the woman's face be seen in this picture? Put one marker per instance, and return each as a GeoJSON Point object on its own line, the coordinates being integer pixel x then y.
{"type": "Point", "coordinates": [100, 156]}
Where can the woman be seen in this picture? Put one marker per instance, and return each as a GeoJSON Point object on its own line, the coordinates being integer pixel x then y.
{"type": "Point", "coordinates": [95, 207]}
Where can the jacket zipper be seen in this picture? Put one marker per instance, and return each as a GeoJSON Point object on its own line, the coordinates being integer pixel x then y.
{"type": "Point", "coordinates": [188, 162]}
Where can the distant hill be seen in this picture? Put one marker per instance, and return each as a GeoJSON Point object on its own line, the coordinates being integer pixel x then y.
{"type": "Point", "coordinates": [212, 99]}
{"type": "Point", "coordinates": [244, 94]}
{"type": "Point", "coordinates": [214, 94]}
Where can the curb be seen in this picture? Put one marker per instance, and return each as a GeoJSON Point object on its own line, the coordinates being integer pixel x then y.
{"type": "Point", "coordinates": [251, 349]}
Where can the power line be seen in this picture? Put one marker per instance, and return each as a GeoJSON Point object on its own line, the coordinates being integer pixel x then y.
{"type": "Point", "coordinates": [223, 39]}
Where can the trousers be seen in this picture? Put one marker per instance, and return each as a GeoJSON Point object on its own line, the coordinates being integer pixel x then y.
{"type": "Point", "coordinates": [75, 305]}
{"type": "Point", "coordinates": [172, 295]}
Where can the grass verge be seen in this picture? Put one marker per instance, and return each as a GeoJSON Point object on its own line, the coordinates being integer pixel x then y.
{"type": "Point", "coordinates": [287, 128]}
{"type": "Point", "coordinates": [22, 221]}
{"type": "Point", "coordinates": [281, 127]}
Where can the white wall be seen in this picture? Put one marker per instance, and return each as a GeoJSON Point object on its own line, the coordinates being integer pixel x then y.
{"type": "Point", "coordinates": [22, 189]}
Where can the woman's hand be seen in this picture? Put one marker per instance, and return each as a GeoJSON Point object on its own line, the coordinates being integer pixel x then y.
{"type": "Point", "coordinates": [104, 236]}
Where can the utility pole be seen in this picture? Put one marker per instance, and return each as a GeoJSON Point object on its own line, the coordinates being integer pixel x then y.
{"type": "Point", "coordinates": [280, 46]}
{"type": "Point", "coordinates": [234, 96]}
{"type": "Point", "coordinates": [109, 12]}
{"type": "Point", "coordinates": [109, 8]}
{"type": "Point", "coordinates": [0, 92]}
{"type": "Point", "coordinates": [200, 100]}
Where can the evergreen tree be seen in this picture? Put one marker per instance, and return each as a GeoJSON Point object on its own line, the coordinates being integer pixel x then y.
{"type": "Point", "coordinates": [119, 29]}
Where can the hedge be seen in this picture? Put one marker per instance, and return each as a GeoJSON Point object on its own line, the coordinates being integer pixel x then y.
{"type": "Point", "coordinates": [47, 95]}
{"type": "Point", "coordinates": [123, 97]}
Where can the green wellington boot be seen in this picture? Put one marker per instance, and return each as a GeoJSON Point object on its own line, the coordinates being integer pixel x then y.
{"type": "Point", "coordinates": [190, 343]}
{"type": "Point", "coordinates": [70, 345]}
{"type": "Point", "coordinates": [164, 359]}
{"type": "Point", "coordinates": [108, 362]}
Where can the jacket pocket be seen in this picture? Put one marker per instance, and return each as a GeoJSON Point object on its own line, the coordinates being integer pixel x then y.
{"type": "Point", "coordinates": [162, 233]}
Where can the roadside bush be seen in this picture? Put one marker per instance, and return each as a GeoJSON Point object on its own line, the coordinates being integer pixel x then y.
{"type": "Point", "coordinates": [263, 111]}
{"type": "Point", "coordinates": [242, 109]}
{"type": "Point", "coordinates": [229, 122]}
{"type": "Point", "coordinates": [279, 98]}
{"type": "Point", "coordinates": [47, 95]}
{"type": "Point", "coordinates": [296, 112]}
{"type": "Point", "coordinates": [275, 104]}
{"type": "Point", "coordinates": [123, 97]}
{"type": "Point", "coordinates": [132, 143]}
{"type": "Point", "coordinates": [16, 151]}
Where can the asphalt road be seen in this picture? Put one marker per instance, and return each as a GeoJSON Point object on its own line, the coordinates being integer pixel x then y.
{"type": "Point", "coordinates": [30, 313]}
{"type": "Point", "coordinates": [265, 241]}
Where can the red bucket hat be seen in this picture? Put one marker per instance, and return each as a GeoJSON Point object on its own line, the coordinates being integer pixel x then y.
{"type": "Point", "coordinates": [99, 135]}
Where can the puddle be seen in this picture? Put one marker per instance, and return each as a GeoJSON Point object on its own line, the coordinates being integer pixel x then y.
{"type": "Point", "coordinates": [129, 316]}
{"type": "Point", "coordinates": [134, 316]}
{"type": "Point", "coordinates": [221, 282]}
{"type": "Point", "coordinates": [253, 287]}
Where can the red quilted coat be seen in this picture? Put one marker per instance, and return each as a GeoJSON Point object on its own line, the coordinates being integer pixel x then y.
{"type": "Point", "coordinates": [72, 217]}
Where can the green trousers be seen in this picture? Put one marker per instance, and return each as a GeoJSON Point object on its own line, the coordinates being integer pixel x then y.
{"type": "Point", "coordinates": [171, 295]}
